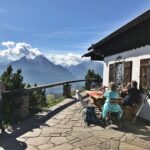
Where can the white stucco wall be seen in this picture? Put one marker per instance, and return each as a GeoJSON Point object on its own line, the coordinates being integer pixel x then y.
{"type": "Point", "coordinates": [135, 56]}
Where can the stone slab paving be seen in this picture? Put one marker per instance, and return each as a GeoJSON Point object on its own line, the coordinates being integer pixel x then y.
{"type": "Point", "coordinates": [66, 130]}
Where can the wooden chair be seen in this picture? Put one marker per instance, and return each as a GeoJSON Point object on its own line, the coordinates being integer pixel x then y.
{"type": "Point", "coordinates": [129, 112]}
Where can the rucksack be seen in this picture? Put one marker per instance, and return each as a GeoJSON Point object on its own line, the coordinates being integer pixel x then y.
{"type": "Point", "coordinates": [90, 115]}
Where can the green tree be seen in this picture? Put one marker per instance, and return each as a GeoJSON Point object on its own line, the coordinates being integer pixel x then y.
{"type": "Point", "coordinates": [11, 103]}
{"type": "Point", "coordinates": [12, 81]}
{"type": "Point", "coordinates": [37, 100]}
{"type": "Point", "coordinates": [91, 75]}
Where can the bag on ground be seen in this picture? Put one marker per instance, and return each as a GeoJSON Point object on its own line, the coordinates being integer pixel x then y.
{"type": "Point", "coordinates": [90, 115]}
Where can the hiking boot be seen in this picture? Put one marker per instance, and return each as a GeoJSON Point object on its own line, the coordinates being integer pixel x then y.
{"type": "Point", "coordinates": [103, 123]}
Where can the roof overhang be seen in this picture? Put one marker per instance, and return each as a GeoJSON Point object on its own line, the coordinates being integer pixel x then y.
{"type": "Point", "coordinates": [94, 55]}
{"type": "Point", "coordinates": [133, 35]}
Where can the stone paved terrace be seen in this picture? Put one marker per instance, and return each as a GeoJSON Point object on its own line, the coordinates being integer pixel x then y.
{"type": "Point", "coordinates": [63, 128]}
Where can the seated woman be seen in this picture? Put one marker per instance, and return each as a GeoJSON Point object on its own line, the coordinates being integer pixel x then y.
{"type": "Point", "coordinates": [111, 95]}
{"type": "Point", "coordinates": [133, 94]}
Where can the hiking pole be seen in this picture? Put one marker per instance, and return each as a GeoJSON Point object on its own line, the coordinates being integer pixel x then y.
{"type": "Point", "coordinates": [145, 100]}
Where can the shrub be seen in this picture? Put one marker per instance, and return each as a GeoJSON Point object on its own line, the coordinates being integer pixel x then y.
{"type": "Point", "coordinates": [37, 100]}
{"type": "Point", "coordinates": [11, 103]}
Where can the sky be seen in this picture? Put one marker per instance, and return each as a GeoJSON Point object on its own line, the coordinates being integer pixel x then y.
{"type": "Point", "coordinates": [63, 27]}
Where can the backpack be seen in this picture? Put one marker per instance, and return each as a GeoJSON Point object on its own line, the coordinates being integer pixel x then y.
{"type": "Point", "coordinates": [90, 115]}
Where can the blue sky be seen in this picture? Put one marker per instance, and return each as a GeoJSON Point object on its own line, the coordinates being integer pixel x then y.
{"type": "Point", "coordinates": [61, 26]}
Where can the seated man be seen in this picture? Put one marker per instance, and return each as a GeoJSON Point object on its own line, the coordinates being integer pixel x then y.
{"type": "Point", "coordinates": [133, 94]}
{"type": "Point", "coordinates": [111, 95]}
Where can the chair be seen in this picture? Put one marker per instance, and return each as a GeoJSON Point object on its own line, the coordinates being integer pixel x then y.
{"type": "Point", "coordinates": [129, 112]}
{"type": "Point", "coordinates": [113, 116]}
{"type": "Point", "coordinates": [80, 98]}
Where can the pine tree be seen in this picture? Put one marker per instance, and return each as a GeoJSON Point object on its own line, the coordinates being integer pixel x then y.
{"type": "Point", "coordinates": [11, 103]}
{"type": "Point", "coordinates": [91, 75]}
{"type": "Point", "coordinates": [12, 81]}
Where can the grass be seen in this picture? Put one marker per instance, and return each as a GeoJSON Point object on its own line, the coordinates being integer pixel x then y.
{"type": "Point", "coordinates": [51, 100]}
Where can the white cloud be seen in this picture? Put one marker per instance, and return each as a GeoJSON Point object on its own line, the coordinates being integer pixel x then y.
{"type": "Point", "coordinates": [66, 59]}
{"type": "Point", "coordinates": [14, 51]}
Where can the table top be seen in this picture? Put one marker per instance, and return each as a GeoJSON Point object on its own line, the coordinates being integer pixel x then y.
{"type": "Point", "coordinates": [97, 94]}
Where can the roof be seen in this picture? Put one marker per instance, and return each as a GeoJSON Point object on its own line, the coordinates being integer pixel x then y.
{"type": "Point", "coordinates": [94, 55]}
{"type": "Point", "coordinates": [130, 36]}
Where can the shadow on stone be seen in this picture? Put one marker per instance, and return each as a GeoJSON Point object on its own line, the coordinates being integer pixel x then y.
{"type": "Point", "coordinates": [7, 141]}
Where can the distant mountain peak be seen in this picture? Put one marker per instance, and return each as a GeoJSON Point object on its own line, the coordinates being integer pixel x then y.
{"type": "Point", "coordinates": [41, 57]}
{"type": "Point", "coordinates": [40, 70]}
{"type": "Point", "coordinates": [82, 68]}
{"type": "Point", "coordinates": [38, 60]}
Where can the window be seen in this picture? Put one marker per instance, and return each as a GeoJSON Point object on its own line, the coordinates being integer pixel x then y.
{"type": "Point", "coordinates": [120, 72]}
{"type": "Point", "coordinates": [145, 75]}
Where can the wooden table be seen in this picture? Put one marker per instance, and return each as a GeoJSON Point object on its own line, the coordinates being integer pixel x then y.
{"type": "Point", "coordinates": [97, 97]}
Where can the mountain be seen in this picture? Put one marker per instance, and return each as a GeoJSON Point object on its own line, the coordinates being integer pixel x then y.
{"type": "Point", "coordinates": [40, 70]}
{"type": "Point", "coordinates": [81, 69]}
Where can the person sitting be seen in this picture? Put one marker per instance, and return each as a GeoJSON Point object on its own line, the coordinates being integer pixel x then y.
{"type": "Point", "coordinates": [93, 85]}
{"type": "Point", "coordinates": [133, 94]}
{"type": "Point", "coordinates": [111, 95]}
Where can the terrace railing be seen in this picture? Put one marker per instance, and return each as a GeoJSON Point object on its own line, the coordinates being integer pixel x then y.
{"type": "Point", "coordinates": [66, 88]}
{"type": "Point", "coordinates": [24, 96]}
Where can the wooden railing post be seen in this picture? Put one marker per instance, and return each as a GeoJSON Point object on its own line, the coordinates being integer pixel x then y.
{"type": "Point", "coordinates": [67, 90]}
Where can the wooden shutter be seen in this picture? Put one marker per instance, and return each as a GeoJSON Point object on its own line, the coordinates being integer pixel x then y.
{"type": "Point", "coordinates": [127, 72]}
{"type": "Point", "coordinates": [111, 73]}
{"type": "Point", "coordinates": [144, 74]}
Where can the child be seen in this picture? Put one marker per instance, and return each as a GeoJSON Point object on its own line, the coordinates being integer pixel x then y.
{"type": "Point", "coordinates": [111, 95]}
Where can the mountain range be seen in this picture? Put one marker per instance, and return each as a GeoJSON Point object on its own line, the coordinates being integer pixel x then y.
{"type": "Point", "coordinates": [81, 69]}
{"type": "Point", "coordinates": [40, 70]}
